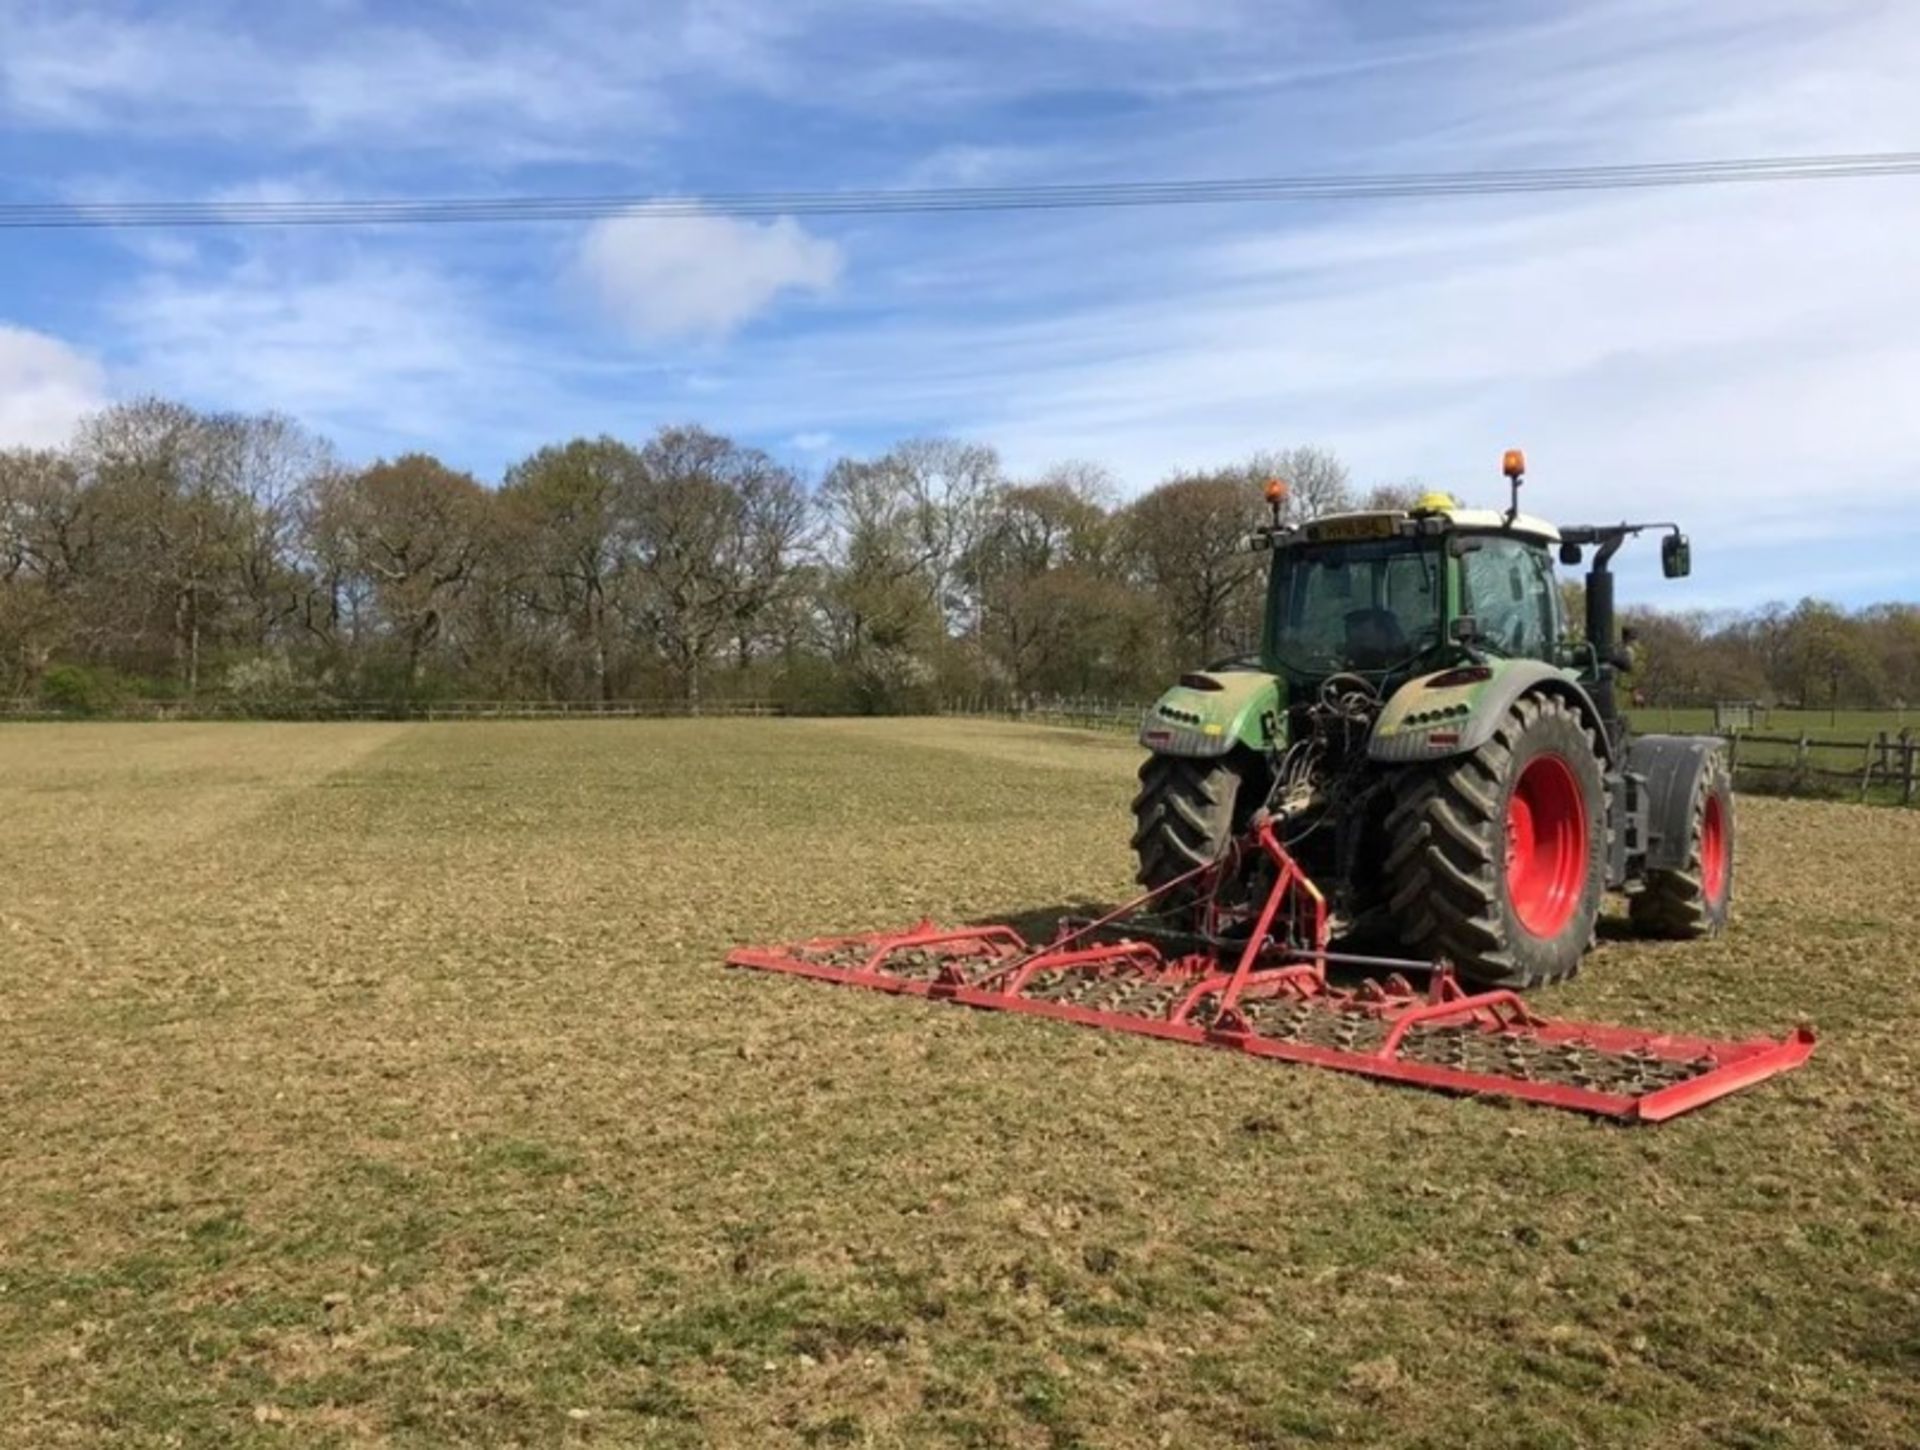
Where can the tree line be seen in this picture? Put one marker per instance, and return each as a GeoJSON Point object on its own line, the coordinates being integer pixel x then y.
{"type": "Point", "coordinates": [184, 554]}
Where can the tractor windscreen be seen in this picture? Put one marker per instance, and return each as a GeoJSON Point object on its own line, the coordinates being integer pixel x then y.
{"type": "Point", "coordinates": [1369, 606]}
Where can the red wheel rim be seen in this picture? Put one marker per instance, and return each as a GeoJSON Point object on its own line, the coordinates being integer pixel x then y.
{"type": "Point", "coordinates": [1713, 850]}
{"type": "Point", "coordinates": [1546, 846]}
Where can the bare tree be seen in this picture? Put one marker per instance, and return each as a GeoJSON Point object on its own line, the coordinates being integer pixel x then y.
{"type": "Point", "coordinates": [336, 611]}
{"type": "Point", "coordinates": [1402, 495]}
{"type": "Point", "coordinates": [712, 529]}
{"type": "Point", "coordinates": [1317, 481]}
{"type": "Point", "coordinates": [940, 493]}
{"type": "Point", "coordinates": [270, 466]}
{"type": "Point", "coordinates": [412, 530]}
{"type": "Point", "coordinates": [1048, 602]}
{"type": "Point", "coordinates": [47, 540]}
{"type": "Point", "coordinates": [776, 528]}
{"type": "Point", "coordinates": [564, 510]}
{"type": "Point", "coordinates": [1185, 540]}
{"type": "Point", "coordinates": [165, 480]}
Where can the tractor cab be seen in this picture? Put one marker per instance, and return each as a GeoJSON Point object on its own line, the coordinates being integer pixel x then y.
{"type": "Point", "coordinates": [1388, 594]}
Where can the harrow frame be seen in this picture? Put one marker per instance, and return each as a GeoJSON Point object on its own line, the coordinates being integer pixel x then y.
{"type": "Point", "coordinates": [1267, 994]}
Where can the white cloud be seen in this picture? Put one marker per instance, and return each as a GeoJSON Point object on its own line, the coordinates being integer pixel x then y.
{"type": "Point", "coordinates": [45, 388]}
{"type": "Point", "coordinates": [704, 275]}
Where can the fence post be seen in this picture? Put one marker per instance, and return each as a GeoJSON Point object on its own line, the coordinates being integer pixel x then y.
{"type": "Point", "coordinates": [1866, 764]}
{"type": "Point", "coordinates": [1908, 747]}
{"type": "Point", "coordinates": [1800, 761]}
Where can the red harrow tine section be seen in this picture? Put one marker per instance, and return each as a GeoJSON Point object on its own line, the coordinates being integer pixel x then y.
{"type": "Point", "coordinates": [1274, 1000]}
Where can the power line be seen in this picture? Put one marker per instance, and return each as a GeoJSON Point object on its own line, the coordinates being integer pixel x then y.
{"type": "Point", "coordinates": [1241, 191]}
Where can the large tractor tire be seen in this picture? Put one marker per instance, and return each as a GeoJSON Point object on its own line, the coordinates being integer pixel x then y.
{"type": "Point", "coordinates": [1184, 816]}
{"type": "Point", "coordinates": [1692, 902]}
{"type": "Point", "coordinates": [1496, 859]}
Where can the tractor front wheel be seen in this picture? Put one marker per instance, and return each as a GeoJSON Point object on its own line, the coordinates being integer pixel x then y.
{"type": "Point", "coordinates": [1692, 901]}
{"type": "Point", "coordinates": [1495, 859]}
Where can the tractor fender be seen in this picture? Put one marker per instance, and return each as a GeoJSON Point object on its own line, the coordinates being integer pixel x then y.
{"type": "Point", "coordinates": [1213, 712]}
{"type": "Point", "coordinates": [1669, 768]}
{"type": "Point", "coordinates": [1456, 710]}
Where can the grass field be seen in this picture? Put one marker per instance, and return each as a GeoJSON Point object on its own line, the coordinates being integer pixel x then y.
{"type": "Point", "coordinates": [381, 1083]}
{"type": "Point", "coordinates": [1820, 724]}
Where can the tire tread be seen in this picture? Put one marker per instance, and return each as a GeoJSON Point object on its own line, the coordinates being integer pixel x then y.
{"type": "Point", "coordinates": [1446, 848]}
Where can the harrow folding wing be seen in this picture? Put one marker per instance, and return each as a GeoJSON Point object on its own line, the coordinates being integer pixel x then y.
{"type": "Point", "coordinates": [1255, 980]}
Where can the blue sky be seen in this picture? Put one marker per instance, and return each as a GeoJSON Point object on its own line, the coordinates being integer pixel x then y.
{"type": "Point", "coordinates": [1744, 358]}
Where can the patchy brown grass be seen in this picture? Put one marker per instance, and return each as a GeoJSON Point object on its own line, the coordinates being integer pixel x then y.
{"type": "Point", "coordinates": [381, 1083]}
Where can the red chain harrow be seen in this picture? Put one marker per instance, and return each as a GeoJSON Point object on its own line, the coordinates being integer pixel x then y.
{"type": "Point", "coordinates": [1268, 994]}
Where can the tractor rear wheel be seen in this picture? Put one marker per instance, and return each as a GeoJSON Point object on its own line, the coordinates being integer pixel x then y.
{"type": "Point", "coordinates": [1692, 902]}
{"type": "Point", "coordinates": [1184, 816]}
{"type": "Point", "coordinates": [1496, 859]}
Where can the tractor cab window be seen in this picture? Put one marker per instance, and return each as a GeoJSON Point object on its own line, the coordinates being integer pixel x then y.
{"type": "Point", "coordinates": [1507, 585]}
{"type": "Point", "coordinates": [1370, 606]}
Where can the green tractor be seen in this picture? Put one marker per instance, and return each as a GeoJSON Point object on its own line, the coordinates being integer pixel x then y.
{"type": "Point", "coordinates": [1434, 749]}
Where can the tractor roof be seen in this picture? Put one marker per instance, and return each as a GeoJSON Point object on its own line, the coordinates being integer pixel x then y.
{"type": "Point", "coordinates": [1449, 516]}
{"type": "Point", "coordinates": [1465, 518]}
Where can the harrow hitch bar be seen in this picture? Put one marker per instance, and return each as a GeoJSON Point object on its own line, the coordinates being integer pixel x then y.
{"type": "Point", "coordinates": [1257, 983]}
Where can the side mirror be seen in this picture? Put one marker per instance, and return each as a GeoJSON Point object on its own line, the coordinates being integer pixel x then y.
{"type": "Point", "coordinates": [1676, 556]}
{"type": "Point", "coordinates": [1570, 555]}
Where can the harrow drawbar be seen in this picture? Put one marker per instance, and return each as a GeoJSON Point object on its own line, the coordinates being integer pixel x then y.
{"type": "Point", "coordinates": [1269, 995]}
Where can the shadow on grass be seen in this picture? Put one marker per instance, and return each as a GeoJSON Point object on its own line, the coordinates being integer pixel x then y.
{"type": "Point", "coordinates": [1616, 929]}
{"type": "Point", "coordinates": [1039, 925]}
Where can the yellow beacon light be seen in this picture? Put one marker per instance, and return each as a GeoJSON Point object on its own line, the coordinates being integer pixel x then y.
{"type": "Point", "coordinates": [1513, 463]}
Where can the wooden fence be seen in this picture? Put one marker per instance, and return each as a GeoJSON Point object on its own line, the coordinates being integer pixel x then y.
{"type": "Point", "coordinates": [1881, 767]}
{"type": "Point", "coordinates": [1078, 713]}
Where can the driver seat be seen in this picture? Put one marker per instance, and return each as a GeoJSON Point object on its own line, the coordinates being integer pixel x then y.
{"type": "Point", "coordinates": [1375, 639]}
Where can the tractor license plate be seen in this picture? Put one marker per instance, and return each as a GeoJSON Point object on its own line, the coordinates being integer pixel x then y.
{"type": "Point", "coordinates": [1363, 526]}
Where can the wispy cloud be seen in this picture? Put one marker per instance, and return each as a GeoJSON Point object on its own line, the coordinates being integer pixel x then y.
{"type": "Point", "coordinates": [305, 79]}
{"type": "Point", "coordinates": [512, 82]}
